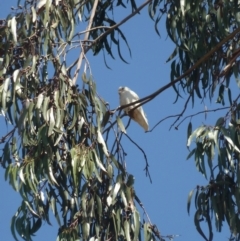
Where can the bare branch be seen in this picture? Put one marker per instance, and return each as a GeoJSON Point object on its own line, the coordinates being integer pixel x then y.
{"type": "Point", "coordinates": [181, 114]}
{"type": "Point", "coordinates": [79, 63]}
{"type": "Point", "coordinates": [144, 154]}
{"type": "Point", "coordinates": [201, 112]}
{"type": "Point", "coordinates": [103, 35]}
{"type": "Point", "coordinates": [141, 205]}
{"type": "Point", "coordinates": [122, 22]}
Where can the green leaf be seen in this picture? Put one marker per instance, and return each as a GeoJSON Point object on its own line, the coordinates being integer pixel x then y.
{"type": "Point", "coordinates": [120, 125]}
{"type": "Point", "coordinates": [31, 209]}
{"type": "Point", "coordinates": [119, 53]}
{"type": "Point", "coordinates": [86, 230]}
{"type": "Point", "coordinates": [230, 96]}
{"type": "Point", "coordinates": [147, 236]}
{"type": "Point", "coordinates": [220, 122]}
{"type": "Point", "coordinates": [108, 48]}
{"type": "Point", "coordinates": [14, 29]}
{"type": "Point", "coordinates": [197, 133]}
{"type": "Point", "coordinates": [36, 226]}
{"type": "Point", "coordinates": [72, 27]}
{"type": "Point", "coordinates": [117, 164]}
{"type": "Point", "coordinates": [125, 40]}
{"type": "Point", "coordinates": [102, 142]}
{"type": "Point", "coordinates": [13, 223]}
{"type": "Point", "coordinates": [191, 153]}
{"type": "Point", "coordinates": [189, 130]}
{"type": "Point", "coordinates": [174, 53]}
{"type": "Point", "coordinates": [105, 118]}
{"type": "Point", "coordinates": [5, 93]}
{"type": "Point", "coordinates": [197, 224]}
{"type": "Point", "coordinates": [115, 191]}
{"type": "Point", "coordinates": [136, 217]}
{"type": "Point", "coordinates": [99, 207]}
{"type": "Point", "coordinates": [45, 107]}
{"type": "Point", "coordinates": [51, 121]}
{"type": "Point", "coordinates": [173, 74]}
{"type": "Point", "coordinates": [98, 162]}
{"type": "Point", "coordinates": [156, 24]}
{"type": "Point", "coordinates": [127, 230]}
{"type": "Point", "coordinates": [220, 98]}
{"type": "Point", "coordinates": [189, 201]}
{"type": "Point", "coordinates": [229, 140]}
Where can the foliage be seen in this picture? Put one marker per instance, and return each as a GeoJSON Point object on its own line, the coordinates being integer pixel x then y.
{"type": "Point", "coordinates": [205, 60]}
{"type": "Point", "coordinates": [198, 28]}
{"type": "Point", "coordinates": [57, 155]}
{"type": "Point", "coordinates": [206, 37]}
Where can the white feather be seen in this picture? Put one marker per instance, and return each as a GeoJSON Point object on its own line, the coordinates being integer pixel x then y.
{"type": "Point", "coordinates": [127, 96]}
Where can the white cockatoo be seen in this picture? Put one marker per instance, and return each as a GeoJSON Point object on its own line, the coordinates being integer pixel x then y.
{"type": "Point", "coordinates": [127, 96]}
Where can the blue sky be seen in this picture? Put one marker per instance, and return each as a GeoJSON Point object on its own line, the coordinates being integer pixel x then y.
{"type": "Point", "coordinates": [173, 177]}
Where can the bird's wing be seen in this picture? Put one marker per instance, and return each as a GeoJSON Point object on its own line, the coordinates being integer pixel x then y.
{"type": "Point", "coordinates": [139, 116]}
{"type": "Point", "coordinates": [132, 95]}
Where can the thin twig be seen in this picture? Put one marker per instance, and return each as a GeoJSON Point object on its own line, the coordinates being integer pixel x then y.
{"type": "Point", "coordinates": [165, 118]}
{"type": "Point", "coordinates": [141, 205]}
{"type": "Point", "coordinates": [195, 114]}
{"type": "Point", "coordinates": [201, 112]}
{"type": "Point", "coordinates": [181, 114]}
{"type": "Point", "coordinates": [189, 116]}
{"type": "Point", "coordinates": [92, 29]}
{"type": "Point", "coordinates": [89, 67]}
{"type": "Point", "coordinates": [144, 154]}
{"type": "Point", "coordinates": [11, 133]}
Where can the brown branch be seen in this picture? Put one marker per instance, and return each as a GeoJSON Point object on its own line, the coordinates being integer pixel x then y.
{"type": "Point", "coordinates": [121, 22]}
{"type": "Point", "coordinates": [196, 65]}
{"type": "Point", "coordinates": [229, 65]}
{"type": "Point", "coordinates": [103, 35]}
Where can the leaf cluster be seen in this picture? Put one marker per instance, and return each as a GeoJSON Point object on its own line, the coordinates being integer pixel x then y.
{"type": "Point", "coordinates": [57, 154]}
{"type": "Point", "coordinates": [196, 27]}
{"type": "Point", "coordinates": [219, 200]}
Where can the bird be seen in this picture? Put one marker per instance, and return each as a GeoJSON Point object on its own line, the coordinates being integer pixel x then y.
{"type": "Point", "coordinates": [127, 96]}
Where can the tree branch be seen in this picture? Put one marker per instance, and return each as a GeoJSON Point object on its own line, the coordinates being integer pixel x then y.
{"type": "Point", "coordinates": [196, 65]}
{"type": "Point", "coordinates": [103, 35]}
{"type": "Point", "coordinates": [121, 22]}
{"type": "Point", "coordinates": [144, 154]}
{"type": "Point", "coordinates": [79, 63]}
{"type": "Point", "coordinates": [201, 112]}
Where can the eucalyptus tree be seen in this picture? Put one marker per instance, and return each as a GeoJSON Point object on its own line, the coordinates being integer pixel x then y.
{"type": "Point", "coordinates": [58, 155]}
